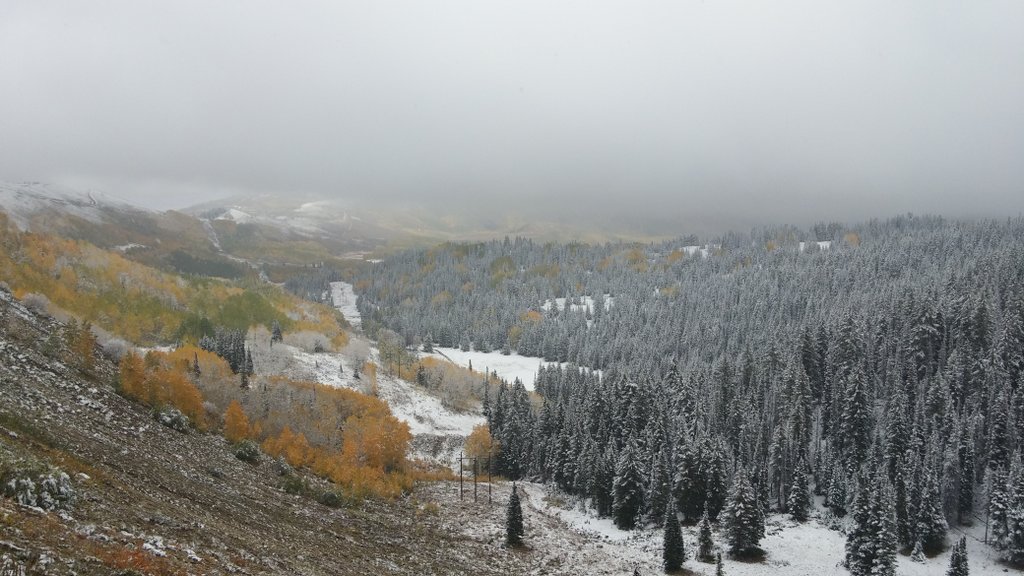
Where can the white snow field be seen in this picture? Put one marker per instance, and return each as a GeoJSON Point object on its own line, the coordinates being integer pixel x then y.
{"type": "Point", "coordinates": [508, 367]}
{"type": "Point", "coordinates": [344, 298]}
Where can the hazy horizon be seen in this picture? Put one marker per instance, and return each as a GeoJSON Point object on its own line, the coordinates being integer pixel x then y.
{"type": "Point", "coordinates": [722, 115]}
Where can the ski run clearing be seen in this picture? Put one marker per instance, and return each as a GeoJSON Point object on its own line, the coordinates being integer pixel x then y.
{"type": "Point", "coordinates": [344, 298]}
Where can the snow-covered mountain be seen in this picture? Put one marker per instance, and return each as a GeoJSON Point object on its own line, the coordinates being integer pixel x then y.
{"type": "Point", "coordinates": [25, 202]}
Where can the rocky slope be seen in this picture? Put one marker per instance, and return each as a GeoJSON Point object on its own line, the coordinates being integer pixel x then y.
{"type": "Point", "coordinates": [150, 499]}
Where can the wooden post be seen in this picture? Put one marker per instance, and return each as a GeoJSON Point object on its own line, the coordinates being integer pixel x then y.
{"type": "Point", "coordinates": [460, 475]}
{"type": "Point", "coordinates": [476, 470]}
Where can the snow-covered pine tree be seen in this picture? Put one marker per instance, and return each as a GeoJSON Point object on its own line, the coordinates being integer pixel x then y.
{"type": "Point", "coordinates": [855, 426]}
{"type": "Point", "coordinates": [673, 551]}
{"type": "Point", "coordinates": [884, 521]}
{"type": "Point", "coordinates": [931, 522]}
{"type": "Point", "coordinates": [1014, 540]}
{"type": "Point", "coordinates": [705, 542]}
{"type": "Point", "coordinates": [965, 454]}
{"type": "Point", "coordinates": [799, 503]}
{"type": "Point", "coordinates": [719, 569]}
{"type": "Point", "coordinates": [958, 559]}
{"type": "Point", "coordinates": [743, 519]}
{"type": "Point", "coordinates": [627, 488]}
{"type": "Point", "coordinates": [860, 537]}
{"type": "Point", "coordinates": [998, 508]}
{"type": "Point", "coordinates": [917, 554]}
{"type": "Point", "coordinates": [835, 497]}
{"type": "Point", "coordinates": [659, 501]}
{"type": "Point", "coordinates": [871, 542]}
{"type": "Point", "coordinates": [514, 520]}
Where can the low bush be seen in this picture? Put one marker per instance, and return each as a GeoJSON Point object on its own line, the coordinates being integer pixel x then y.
{"type": "Point", "coordinates": [173, 419]}
{"type": "Point", "coordinates": [32, 484]}
{"type": "Point", "coordinates": [248, 451]}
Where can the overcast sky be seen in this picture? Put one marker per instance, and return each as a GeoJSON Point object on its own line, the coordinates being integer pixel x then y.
{"type": "Point", "coordinates": [760, 111]}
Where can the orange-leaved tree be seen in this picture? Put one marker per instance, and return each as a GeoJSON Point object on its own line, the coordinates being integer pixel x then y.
{"type": "Point", "coordinates": [480, 444]}
{"type": "Point", "coordinates": [236, 423]}
{"type": "Point", "coordinates": [377, 441]}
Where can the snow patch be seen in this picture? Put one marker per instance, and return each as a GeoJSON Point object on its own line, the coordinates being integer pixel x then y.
{"type": "Point", "coordinates": [344, 298]}
{"type": "Point", "coordinates": [236, 215]}
{"type": "Point", "coordinates": [508, 367]}
{"type": "Point", "coordinates": [587, 303]}
{"type": "Point", "coordinates": [823, 245]}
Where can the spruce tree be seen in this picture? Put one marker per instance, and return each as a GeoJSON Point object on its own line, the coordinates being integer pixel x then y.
{"type": "Point", "coordinates": [799, 503]}
{"type": "Point", "coordinates": [514, 520]}
{"type": "Point", "coordinates": [719, 569]}
{"type": "Point", "coordinates": [958, 559]}
{"type": "Point", "coordinates": [917, 554]}
{"type": "Point", "coordinates": [871, 542]}
{"type": "Point", "coordinates": [931, 522]}
{"type": "Point", "coordinates": [1014, 540]}
{"type": "Point", "coordinates": [674, 551]}
{"type": "Point", "coordinates": [835, 497]}
{"type": "Point", "coordinates": [627, 489]}
{"type": "Point", "coordinates": [705, 543]}
{"type": "Point", "coordinates": [998, 509]}
{"type": "Point", "coordinates": [885, 540]}
{"type": "Point", "coordinates": [743, 519]}
{"type": "Point", "coordinates": [859, 549]}
{"type": "Point", "coordinates": [965, 453]}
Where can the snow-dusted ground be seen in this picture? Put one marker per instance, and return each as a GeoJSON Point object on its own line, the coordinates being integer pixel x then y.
{"type": "Point", "coordinates": [562, 539]}
{"type": "Point", "coordinates": [508, 367]}
{"type": "Point", "coordinates": [423, 412]}
{"type": "Point", "coordinates": [344, 298]}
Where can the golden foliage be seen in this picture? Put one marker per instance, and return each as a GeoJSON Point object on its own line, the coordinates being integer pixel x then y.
{"type": "Point", "coordinates": [236, 423]}
{"type": "Point", "coordinates": [294, 448]}
{"type": "Point", "coordinates": [480, 444]}
{"type": "Point", "coordinates": [159, 381]}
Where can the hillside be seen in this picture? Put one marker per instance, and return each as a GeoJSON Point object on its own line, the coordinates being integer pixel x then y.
{"type": "Point", "coordinates": [158, 501]}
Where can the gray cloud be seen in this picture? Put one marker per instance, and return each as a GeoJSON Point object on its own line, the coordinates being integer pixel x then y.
{"type": "Point", "coordinates": [737, 112]}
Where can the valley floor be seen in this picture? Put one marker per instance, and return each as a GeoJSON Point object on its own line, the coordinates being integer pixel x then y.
{"type": "Point", "coordinates": [560, 539]}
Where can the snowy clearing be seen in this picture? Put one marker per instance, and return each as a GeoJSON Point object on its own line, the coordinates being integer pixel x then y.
{"type": "Point", "coordinates": [508, 367]}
